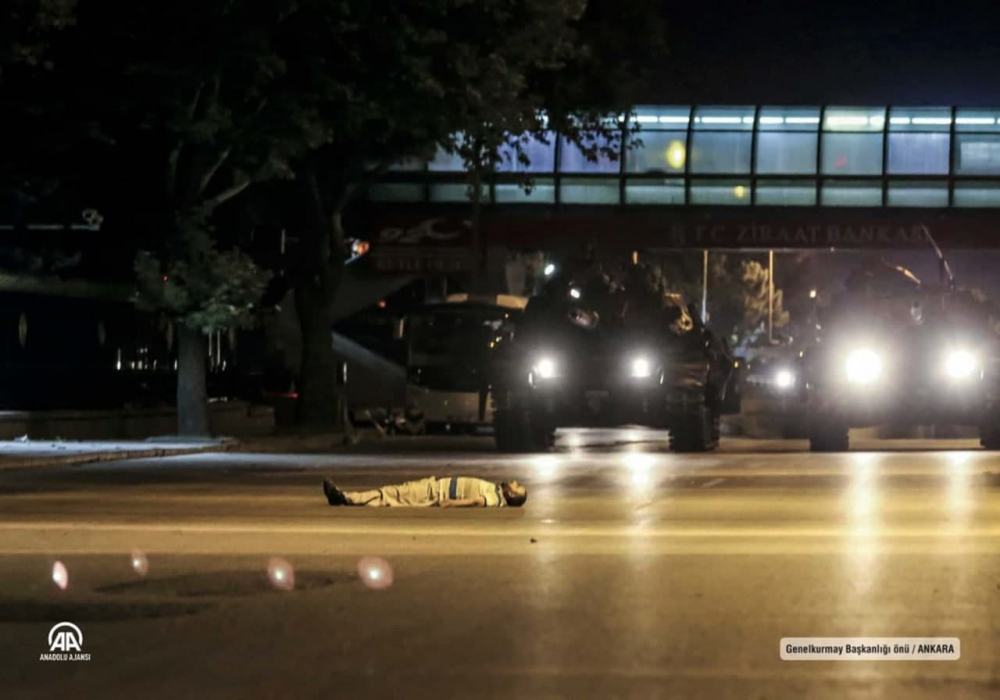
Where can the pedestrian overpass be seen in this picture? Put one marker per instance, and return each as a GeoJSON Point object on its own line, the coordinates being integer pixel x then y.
{"type": "Point", "coordinates": [712, 177]}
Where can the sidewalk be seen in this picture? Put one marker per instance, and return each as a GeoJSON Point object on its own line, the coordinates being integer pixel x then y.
{"type": "Point", "coordinates": [23, 452]}
{"type": "Point", "coordinates": [37, 453]}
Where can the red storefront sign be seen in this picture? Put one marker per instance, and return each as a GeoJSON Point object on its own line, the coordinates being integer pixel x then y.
{"type": "Point", "coordinates": [415, 244]}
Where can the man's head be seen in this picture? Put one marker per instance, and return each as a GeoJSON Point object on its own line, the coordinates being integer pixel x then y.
{"type": "Point", "coordinates": [514, 493]}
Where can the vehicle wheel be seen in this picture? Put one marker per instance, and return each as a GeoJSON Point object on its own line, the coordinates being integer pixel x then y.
{"type": "Point", "coordinates": [989, 437]}
{"type": "Point", "coordinates": [828, 436]}
{"type": "Point", "coordinates": [695, 432]}
{"type": "Point", "coordinates": [514, 431]}
{"type": "Point", "coordinates": [503, 433]}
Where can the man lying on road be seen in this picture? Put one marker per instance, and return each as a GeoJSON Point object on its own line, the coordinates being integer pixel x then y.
{"type": "Point", "coordinates": [450, 492]}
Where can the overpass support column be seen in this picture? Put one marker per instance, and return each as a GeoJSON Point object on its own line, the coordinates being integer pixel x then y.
{"type": "Point", "coordinates": [770, 296]}
{"type": "Point", "coordinates": [704, 286]}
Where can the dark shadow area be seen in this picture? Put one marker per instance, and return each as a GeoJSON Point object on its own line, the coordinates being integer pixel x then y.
{"type": "Point", "coordinates": [223, 584]}
{"type": "Point", "coordinates": [93, 611]}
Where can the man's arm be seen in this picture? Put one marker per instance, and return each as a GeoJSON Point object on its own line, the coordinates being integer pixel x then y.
{"type": "Point", "coordinates": [464, 503]}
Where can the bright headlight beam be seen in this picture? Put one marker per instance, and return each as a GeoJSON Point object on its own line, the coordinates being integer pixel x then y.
{"type": "Point", "coordinates": [960, 364]}
{"type": "Point", "coordinates": [784, 379]}
{"type": "Point", "coordinates": [575, 293]}
{"type": "Point", "coordinates": [641, 367]}
{"type": "Point", "coordinates": [863, 366]}
{"type": "Point", "coordinates": [546, 368]}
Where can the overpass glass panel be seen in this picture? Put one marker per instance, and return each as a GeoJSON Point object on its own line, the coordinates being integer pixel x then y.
{"type": "Point", "coordinates": [977, 154]}
{"type": "Point", "coordinates": [851, 193]}
{"type": "Point", "coordinates": [451, 192]}
{"type": "Point", "coordinates": [721, 192]}
{"type": "Point", "coordinates": [721, 152]}
{"type": "Point", "coordinates": [670, 117]}
{"type": "Point", "coordinates": [659, 152]}
{"type": "Point", "coordinates": [723, 119]}
{"type": "Point", "coordinates": [786, 153]}
{"type": "Point", "coordinates": [918, 193]}
{"type": "Point", "coordinates": [854, 119]}
{"type": "Point", "coordinates": [786, 193]}
{"type": "Point", "coordinates": [768, 156]}
{"type": "Point", "coordinates": [919, 154]}
{"type": "Point", "coordinates": [589, 190]}
{"type": "Point", "coordinates": [573, 160]}
{"type": "Point", "coordinates": [656, 191]}
{"type": "Point", "coordinates": [543, 192]}
{"type": "Point", "coordinates": [788, 119]}
{"type": "Point", "coordinates": [443, 161]}
{"type": "Point", "coordinates": [852, 154]}
{"type": "Point", "coordinates": [541, 156]}
{"type": "Point", "coordinates": [987, 120]}
{"type": "Point", "coordinates": [920, 119]}
{"type": "Point", "coordinates": [977, 194]}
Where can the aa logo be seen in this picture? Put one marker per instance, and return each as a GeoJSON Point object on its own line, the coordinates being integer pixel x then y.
{"type": "Point", "coordinates": [65, 636]}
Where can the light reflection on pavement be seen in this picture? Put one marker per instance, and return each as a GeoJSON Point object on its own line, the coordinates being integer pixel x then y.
{"type": "Point", "coordinates": [632, 572]}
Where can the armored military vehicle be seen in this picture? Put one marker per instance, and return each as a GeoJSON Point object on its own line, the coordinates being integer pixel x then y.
{"type": "Point", "coordinates": [595, 349]}
{"type": "Point", "coordinates": [896, 350]}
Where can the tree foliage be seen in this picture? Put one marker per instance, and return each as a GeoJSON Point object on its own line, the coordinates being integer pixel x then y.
{"type": "Point", "coordinates": [28, 28]}
{"type": "Point", "coordinates": [737, 292]}
{"type": "Point", "coordinates": [378, 82]}
{"type": "Point", "coordinates": [180, 108]}
{"type": "Point", "coordinates": [204, 289]}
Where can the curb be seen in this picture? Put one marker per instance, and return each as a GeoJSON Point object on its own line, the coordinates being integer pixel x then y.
{"type": "Point", "coordinates": [107, 456]}
{"type": "Point", "coordinates": [288, 444]}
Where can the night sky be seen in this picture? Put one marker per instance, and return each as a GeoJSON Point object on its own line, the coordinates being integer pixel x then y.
{"type": "Point", "coordinates": [815, 51]}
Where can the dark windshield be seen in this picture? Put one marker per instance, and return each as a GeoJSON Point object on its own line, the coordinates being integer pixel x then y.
{"type": "Point", "coordinates": [450, 346]}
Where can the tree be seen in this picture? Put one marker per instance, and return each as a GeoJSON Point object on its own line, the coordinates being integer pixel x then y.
{"type": "Point", "coordinates": [175, 116]}
{"type": "Point", "coordinates": [382, 81]}
{"type": "Point", "coordinates": [738, 298]}
{"type": "Point", "coordinates": [203, 290]}
{"type": "Point", "coordinates": [326, 94]}
{"type": "Point", "coordinates": [29, 27]}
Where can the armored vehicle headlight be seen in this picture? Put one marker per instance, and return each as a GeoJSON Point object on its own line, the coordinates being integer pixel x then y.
{"type": "Point", "coordinates": [784, 379]}
{"type": "Point", "coordinates": [863, 366]}
{"type": "Point", "coordinates": [546, 368]}
{"type": "Point", "coordinates": [960, 364]}
{"type": "Point", "coordinates": [641, 367]}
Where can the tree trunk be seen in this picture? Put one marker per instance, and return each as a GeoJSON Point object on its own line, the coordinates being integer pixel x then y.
{"type": "Point", "coordinates": [317, 386]}
{"type": "Point", "coordinates": [318, 272]}
{"type": "Point", "coordinates": [192, 390]}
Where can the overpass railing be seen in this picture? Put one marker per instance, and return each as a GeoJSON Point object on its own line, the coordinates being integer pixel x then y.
{"type": "Point", "coordinates": [744, 156]}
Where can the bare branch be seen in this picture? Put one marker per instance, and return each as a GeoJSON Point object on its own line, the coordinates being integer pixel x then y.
{"type": "Point", "coordinates": [193, 107]}
{"type": "Point", "coordinates": [216, 88]}
{"type": "Point", "coordinates": [206, 178]}
{"type": "Point", "coordinates": [358, 188]}
{"type": "Point", "coordinates": [171, 174]}
{"type": "Point", "coordinates": [320, 220]}
{"type": "Point", "coordinates": [173, 158]}
{"type": "Point", "coordinates": [227, 194]}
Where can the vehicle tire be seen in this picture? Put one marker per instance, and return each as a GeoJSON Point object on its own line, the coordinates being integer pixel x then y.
{"type": "Point", "coordinates": [515, 431]}
{"type": "Point", "coordinates": [503, 433]}
{"type": "Point", "coordinates": [989, 437]}
{"type": "Point", "coordinates": [697, 431]}
{"type": "Point", "coordinates": [828, 436]}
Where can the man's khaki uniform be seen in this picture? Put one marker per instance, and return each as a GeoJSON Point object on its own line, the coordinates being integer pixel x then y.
{"type": "Point", "coordinates": [429, 492]}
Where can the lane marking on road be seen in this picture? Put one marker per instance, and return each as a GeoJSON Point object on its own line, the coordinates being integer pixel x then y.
{"type": "Point", "coordinates": [366, 529]}
{"type": "Point", "coordinates": [713, 482]}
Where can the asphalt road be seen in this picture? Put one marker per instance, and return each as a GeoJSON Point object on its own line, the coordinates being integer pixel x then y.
{"type": "Point", "coordinates": [631, 572]}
